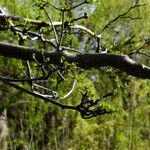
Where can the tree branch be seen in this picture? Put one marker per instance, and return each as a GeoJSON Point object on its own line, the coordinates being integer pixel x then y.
{"type": "Point", "coordinates": [122, 62]}
{"type": "Point", "coordinates": [37, 95]}
{"type": "Point", "coordinates": [44, 23]}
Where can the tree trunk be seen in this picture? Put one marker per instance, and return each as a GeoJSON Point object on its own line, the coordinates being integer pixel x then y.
{"type": "Point", "coordinates": [3, 130]}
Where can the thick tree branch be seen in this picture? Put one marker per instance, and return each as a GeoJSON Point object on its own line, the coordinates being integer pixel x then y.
{"type": "Point", "coordinates": [121, 62]}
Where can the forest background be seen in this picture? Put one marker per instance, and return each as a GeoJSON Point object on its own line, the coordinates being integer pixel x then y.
{"type": "Point", "coordinates": [27, 122]}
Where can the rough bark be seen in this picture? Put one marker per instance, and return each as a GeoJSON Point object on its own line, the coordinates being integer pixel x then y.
{"type": "Point", "coordinates": [122, 62]}
{"type": "Point", "coordinates": [3, 131]}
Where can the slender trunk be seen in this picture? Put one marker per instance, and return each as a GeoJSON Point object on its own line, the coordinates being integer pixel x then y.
{"type": "Point", "coordinates": [132, 125]}
{"type": "Point", "coordinates": [3, 130]}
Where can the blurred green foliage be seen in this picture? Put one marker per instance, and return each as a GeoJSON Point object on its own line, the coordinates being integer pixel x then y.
{"type": "Point", "coordinates": [35, 125]}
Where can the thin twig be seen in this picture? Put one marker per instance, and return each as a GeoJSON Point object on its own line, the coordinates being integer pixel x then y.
{"type": "Point", "coordinates": [84, 29]}
{"type": "Point", "coordinates": [27, 80]}
{"type": "Point", "coordinates": [59, 73]}
{"type": "Point", "coordinates": [38, 95]}
{"type": "Point", "coordinates": [120, 16]}
{"type": "Point", "coordinates": [53, 27]}
{"type": "Point", "coordinates": [79, 18]}
{"type": "Point", "coordinates": [12, 25]}
{"type": "Point", "coordinates": [45, 24]}
{"type": "Point", "coordinates": [72, 89]}
{"type": "Point", "coordinates": [52, 94]}
{"type": "Point", "coordinates": [66, 9]}
{"type": "Point", "coordinates": [73, 7]}
{"type": "Point", "coordinates": [70, 49]}
{"type": "Point", "coordinates": [29, 72]}
{"type": "Point", "coordinates": [62, 29]}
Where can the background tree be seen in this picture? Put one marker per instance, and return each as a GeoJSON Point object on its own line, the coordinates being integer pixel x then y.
{"type": "Point", "coordinates": [63, 51]}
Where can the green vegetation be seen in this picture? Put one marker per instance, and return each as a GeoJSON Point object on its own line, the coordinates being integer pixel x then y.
{"type": "Point", "coordinates": [119, 104]}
